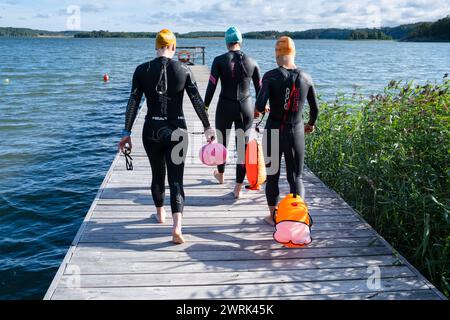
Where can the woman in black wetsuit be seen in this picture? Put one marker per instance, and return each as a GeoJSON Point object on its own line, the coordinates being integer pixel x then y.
{"type": "Point", "coordinates": [163, 81]}
{"type": "Point", "coordinates": [236, 71]}
{"type": "Point", "coordinates": [287, 88]}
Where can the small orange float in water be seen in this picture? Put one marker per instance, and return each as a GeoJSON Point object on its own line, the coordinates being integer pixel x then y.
{"type": "Point", "coordinates": [106, 77]}
{"type": "Point", "coordinates": [293, 222]}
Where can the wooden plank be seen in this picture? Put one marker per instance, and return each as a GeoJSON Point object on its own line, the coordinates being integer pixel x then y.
{"type": "Point", "coordinates": [189, 267]}
{"type": "Point", "coordinates": [211, 221]}
{"type": "Point", "coordinates": [205, 195]}
{"type": "Point", "coordinates": [143, 238]}
{"type": "Point", "coordinates": [234, 207]}
{"type": "Point", "coordinates": [238, 291]}
{"type": "Point", "coordinates": [128, 255]}
{"type": "Point", "coordinates": [202, 187]}
{"type": "Point", "coordinates": [381, 295]}
{"type": "Point", "coordinates": [197, 219]}
{"type": "Point", "coordinates": [237, 234]}
{"type": "Point", "coordinates": [210, 242]}
{"type": "Point", "coordinates": [220, 204]}
{"type": "Point", "coordinates": [158, 228]}
{"type": "Point", "coordinates": [147, 212]}
{"type": "Point", "coordinates": [239, 277]}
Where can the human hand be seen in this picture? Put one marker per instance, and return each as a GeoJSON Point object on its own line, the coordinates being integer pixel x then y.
{"type": "Point", "coordinates": [309, 129]}
{"type": "Point", "coordinates": [210, 134]}
{"type": "Point", "coordinates": [256, 114]}
{"type": "Point", "coordinates": [122, 144]}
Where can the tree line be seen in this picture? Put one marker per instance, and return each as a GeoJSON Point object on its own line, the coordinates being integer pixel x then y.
{"type": "Point", "coordinates": [423, 31]}
{"type": "Point", "coordinates": [426, 31]}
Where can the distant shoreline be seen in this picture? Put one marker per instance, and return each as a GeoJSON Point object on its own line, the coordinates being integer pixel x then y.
{"type": "Point", "coordinates": [438, 31]}
{"type": "Point", "coordinates": [53, 37]}
{"type": "Point", "coordinates": [221, 38]}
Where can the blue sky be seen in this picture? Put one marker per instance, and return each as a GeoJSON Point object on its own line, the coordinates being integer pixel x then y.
{"type": "Point", "coordinates": [194, 15]}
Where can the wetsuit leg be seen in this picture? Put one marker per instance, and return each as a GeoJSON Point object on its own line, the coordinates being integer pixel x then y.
{"type": "Point", "coordinates": [224, 122]}
{"type": "Point", "coordinates": [243, 122]}
{"type": "Point", "coordinates": [155, 153]}
{"type": "Point", "coordinates": [293, 145]}
{"type": "Point", "coordinates": [175, 173]}
{"type": "Point", "coordinates": [272, 189]}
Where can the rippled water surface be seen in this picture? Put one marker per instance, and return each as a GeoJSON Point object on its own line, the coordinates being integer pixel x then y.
{"type": "Point", "coordinates": [59, 125]}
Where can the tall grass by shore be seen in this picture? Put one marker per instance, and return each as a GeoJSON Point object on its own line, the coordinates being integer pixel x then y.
{"type": "Point", "coordinates": [389, 157]}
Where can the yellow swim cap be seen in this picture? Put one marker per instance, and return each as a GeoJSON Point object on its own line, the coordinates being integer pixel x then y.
{"type": "Point", "coordinates": [285, 47]}
{"type": "Point", "coordinates": [165, 38]}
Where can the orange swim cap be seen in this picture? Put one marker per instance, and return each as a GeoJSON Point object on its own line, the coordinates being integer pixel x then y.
{"type": "Point", "coordinates": [165, 38]}
{"type": "Point", "coordinates": [285, 47]}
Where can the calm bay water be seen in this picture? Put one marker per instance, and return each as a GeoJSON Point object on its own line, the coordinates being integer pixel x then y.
{"type": "Point", "coordinates": [59, 125]}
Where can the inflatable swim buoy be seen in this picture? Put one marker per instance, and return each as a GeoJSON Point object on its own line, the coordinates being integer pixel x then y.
{"type": "Point", "coordinates": [213, 154]}
{"type": "Point", "coordinates": [255, 165]}
{"type": "Point", "coordinates": [292, 222]}
{"type": "Point", "coordinates": [106, 77]}
{"type": "Point", "coordinates": [184, 56]}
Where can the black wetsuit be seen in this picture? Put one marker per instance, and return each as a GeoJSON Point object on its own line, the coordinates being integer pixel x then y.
{"type": "Point", "coordinates": [163, 82]}
{"type": "Point", "coordinates": [287, 92]}
{"type": "Point", "coordinates": [236, 71]}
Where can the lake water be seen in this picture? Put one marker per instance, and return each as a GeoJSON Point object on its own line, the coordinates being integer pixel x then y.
{"type": "Point", "coordinates": [59, 125]}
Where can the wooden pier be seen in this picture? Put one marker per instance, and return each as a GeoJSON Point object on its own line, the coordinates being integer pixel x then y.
{"type": "Point", "coordinates": [120, 252]}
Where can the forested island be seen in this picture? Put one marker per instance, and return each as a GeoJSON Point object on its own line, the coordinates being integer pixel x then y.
{"type": "Point", "coordinates": [422, 31]}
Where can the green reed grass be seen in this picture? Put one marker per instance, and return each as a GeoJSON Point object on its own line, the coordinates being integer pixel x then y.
{"type": "Point", "coordinates": [389, 157]}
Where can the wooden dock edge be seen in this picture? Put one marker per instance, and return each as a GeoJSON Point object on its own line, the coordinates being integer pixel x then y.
{"type": "Point", "coordinates": [62, 267]}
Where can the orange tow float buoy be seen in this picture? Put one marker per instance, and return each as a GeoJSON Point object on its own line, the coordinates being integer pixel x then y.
{"type": "Point", "coordinates": [293, 222]}
{"type": "Point", "coordinates": [255, 165]}
{"type": "Point", "coordinates": [106, 78]}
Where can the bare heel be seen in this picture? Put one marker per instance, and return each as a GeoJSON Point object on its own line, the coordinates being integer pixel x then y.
{"type": "Point", "coordinates": [161, 215]}
{"type": "Point", "coordinates": [219, 176]}
{"type": "Point", "coordinates": [178, 238]}
{"type": "Point", "coordinates": [237, 191]}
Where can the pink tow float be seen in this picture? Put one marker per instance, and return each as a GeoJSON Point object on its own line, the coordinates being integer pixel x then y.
{"type": "Point", "coordinates": [213, 154]}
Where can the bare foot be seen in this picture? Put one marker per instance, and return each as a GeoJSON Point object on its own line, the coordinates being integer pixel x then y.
{"type": "Point", "coordinates": [237, 191]}
{"type": "Point", "coordinates": [161, 215]}
{"type": "Point", "coordinates": [269, 220]}
{"type": "Point", "coordinates": [177, 237]}
{"type": "Point", "coordinates": [219, 176]}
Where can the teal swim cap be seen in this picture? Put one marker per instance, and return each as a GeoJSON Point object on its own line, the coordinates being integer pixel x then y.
{"type": "Point", "coordinates": [233, 35]}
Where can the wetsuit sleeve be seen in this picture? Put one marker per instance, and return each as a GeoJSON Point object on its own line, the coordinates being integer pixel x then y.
{"type": "Point", "coordinates": [133, 102]}
{"type": "Point", "coordinates": [257, 79]}
{"type": "Point", "coordinates": [196, 99]}
{"type": "Point", "coordinates": [313, 104]}
{"type": "Point", "coordinates": [263, 95]}
{"type": "Point", "coordinates": [212, 84]}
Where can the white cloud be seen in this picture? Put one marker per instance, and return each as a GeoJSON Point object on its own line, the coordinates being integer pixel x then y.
{"type": "Point", "coordinates": [249, 15]}
{"type": "Point", "coordinates": [42, 16]}
{"type": "Point", "coordinates": [95, 7]}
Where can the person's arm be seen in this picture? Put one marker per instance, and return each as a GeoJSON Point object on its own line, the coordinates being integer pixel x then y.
{"type": "Point", "coordinates": [133, 104]}
{"type": "Point", "coordinates": [212, 84]}
{"type": "Point", "coordinates": [313, 104]}
{"type": "Point", "coordinates": [196, 99]}
{"type": "Point", "coordinates": [130, 115]}
{"type": "Point", "coordinates": [256, 77]}
{"type": "Point", "coordinates": [263, 95]}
